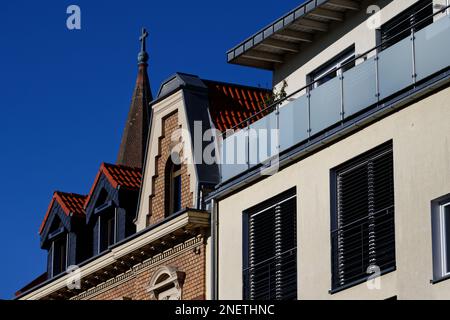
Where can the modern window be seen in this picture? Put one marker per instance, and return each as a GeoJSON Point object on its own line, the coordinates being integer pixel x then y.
{"type": "Point", "coordinates": [59, 252]}
{"type": "Point", "coordinates": [441, 237]}
{"type": "Point", "coordinates": [270, 249]}
{"type": "Point", "coordinates": [335, 67]}
{"type": "Point", "coordinates": [173, 188]}
{"type": "Point", "coordinates": [362, 228]}
{"type": "Point", "coordinates": [416, 17]}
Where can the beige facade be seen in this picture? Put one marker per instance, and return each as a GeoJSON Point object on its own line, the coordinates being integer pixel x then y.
{"type": "Point", "coordinates": [421, 147]}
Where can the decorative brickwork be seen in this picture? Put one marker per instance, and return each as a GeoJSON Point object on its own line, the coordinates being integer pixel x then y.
{"type": "Point", "coordinates": [157, 199]}
{"type": "Point", "coordinates": [188, 257]}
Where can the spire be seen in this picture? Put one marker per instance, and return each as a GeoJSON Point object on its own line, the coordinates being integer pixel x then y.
{"type": "Point", "coordinates": [134, 138]}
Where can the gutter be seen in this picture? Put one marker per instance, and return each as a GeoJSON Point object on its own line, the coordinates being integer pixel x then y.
{"type": "Point", "coordinates": [214, 251]}
{"type": "Point", "coordinates": [116, 251]}
{"type": "Point", "coordinates": [251, 42]}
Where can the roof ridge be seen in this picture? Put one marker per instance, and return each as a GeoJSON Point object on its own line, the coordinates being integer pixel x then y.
{"type": "Point", "coordinates": [58, 197]}
{"type": "Point", "coordinates": [235, 85]}
{"type": "Point", "coordinates": [105, 164]}
{"type": "Point", "coordinates": [106, 170]}
{"type": "Point", "coordinates": [71, 194]}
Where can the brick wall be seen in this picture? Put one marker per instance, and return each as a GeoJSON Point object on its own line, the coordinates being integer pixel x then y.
{"type": "Point", "coordinates": [157, 199]}
{"type": "Point", "coordinates": [190, 260]}
{"type": "Point", "coordinates": [187, 258]}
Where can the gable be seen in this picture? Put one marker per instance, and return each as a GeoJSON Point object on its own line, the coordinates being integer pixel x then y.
{"type": "Point", "coordinates": [103, 192]}
{"type": "Point", "coordinates": [57, 222]}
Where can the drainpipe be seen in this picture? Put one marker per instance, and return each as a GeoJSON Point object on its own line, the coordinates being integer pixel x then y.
{"type": "Point", "coordinates": [214, 250]}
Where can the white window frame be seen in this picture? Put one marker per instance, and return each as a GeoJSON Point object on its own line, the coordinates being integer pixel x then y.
{"type": "Point", "coordinates": [99, 232]}
{"type": "Point", "coordinates": [66, 258]}
{"type": "Point", "coordinates": [443, 238]}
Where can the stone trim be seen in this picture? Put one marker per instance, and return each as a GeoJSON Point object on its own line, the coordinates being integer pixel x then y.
{"type": "Point", "coordinates": [143, 266]}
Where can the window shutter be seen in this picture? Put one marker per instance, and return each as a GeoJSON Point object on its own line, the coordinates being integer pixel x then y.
{"type": "Point", "coordinates": [286, 244]}
{"type": "Point", "coordinates": [419, 15]}
{"type": "Point", "coordinates": [271, 272]}
{"type": "Point", "coordinates": [364, 233]}
{"type": "Point", "coordinates": [261, 252]}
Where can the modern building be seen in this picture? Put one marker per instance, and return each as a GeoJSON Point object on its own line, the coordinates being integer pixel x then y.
{"type": "Point", "coordinates": [342, 191]}
{"type": "Point", "coordinates": [335, 185]}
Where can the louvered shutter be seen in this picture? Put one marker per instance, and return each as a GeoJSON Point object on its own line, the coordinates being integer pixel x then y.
{"type": "Point", "coordinates": [364, 233]}
{"type": "Point", "coordinates": [417, 16]}
{"type": "Point", "coordinates": [271, 272]}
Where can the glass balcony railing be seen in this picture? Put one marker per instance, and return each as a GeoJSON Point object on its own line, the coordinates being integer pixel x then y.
{"type": "Point", "coordinates": [306, 113]}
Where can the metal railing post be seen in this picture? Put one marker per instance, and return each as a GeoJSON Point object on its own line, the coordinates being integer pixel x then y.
{"type": "Point", "coordinates": [413, 52]}
{"type": "Point", "coordinates": [341, 79]}
{"type": "Point", "coordinates": [220, 155]}
{"type": "Point", "coordinates": [247, 139]}
{"type": "Point", "coordinates": [277, 114]}
{"type": "Point", "coordinates": [377, 76]}
{"type": "Point", "coordinates": [308, 95]}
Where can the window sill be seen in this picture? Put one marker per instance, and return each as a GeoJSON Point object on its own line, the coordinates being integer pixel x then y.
{"type": "Point", "coordinates": [435, 281]}
{"type": "Point", "coordinates": [359, 281]}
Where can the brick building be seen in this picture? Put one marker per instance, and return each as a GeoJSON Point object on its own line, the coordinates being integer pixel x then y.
{"type": "Point", "coordinates": [339, 189]}
{"type": "Point", "coordinates": [142, 231]}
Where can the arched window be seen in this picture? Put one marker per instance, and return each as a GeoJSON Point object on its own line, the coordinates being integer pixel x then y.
{"type": "Point", "coordinates": [166, 284]}
{"type": "Point", "coordinates": [173, 188]}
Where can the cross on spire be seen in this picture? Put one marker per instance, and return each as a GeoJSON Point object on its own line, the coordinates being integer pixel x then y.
{"type": "Point", "coordinates": [143, 56]}
{"type": "Point", "coordinates": [144, 35]}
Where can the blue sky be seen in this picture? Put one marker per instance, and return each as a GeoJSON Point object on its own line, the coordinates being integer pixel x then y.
{"type": "Point", "coordinates": [64, 95]}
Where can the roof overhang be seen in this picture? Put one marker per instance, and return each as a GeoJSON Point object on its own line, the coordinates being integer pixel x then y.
{"type": "Point", "coordinates": [288, 35]}
{"type": "Point", "coordinates": [121, 257]}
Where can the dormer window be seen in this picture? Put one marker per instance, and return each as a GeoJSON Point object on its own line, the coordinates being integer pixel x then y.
{"type": "Point", "coordinates": [111, 206]}
{"type": "Point", "coordinates": [109, 231]}
{"type": "Point", "coordinates": [107, 222]}
{"type": "Point", "coordinates": [59, 252]}
{"type": "Point", "coordinates": [173, 189]}
{"type": "Point", "coordinates": [64, 234]}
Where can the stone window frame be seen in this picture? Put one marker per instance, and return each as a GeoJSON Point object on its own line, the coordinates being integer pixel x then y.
{"type": "Point", "coordinates": [172, 279]}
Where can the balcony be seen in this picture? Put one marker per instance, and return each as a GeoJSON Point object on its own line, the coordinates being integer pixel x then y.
{"type": "Point", "coordinates": [308, 113]}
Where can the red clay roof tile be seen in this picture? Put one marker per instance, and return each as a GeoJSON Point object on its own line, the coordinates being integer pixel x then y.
{"type": "Point", "coordinates": [117, 175]}
{"type": "Point", "coordinates": [71, 203]}
{"type": "Point", "coordinates": [231, 104]}
{"type": "Point", "coordinates": [126, 177]}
